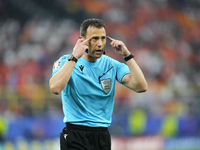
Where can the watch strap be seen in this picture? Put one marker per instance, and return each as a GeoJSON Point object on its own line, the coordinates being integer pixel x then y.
{"type": "Point", "coordinates": [71, 57]}
{"type": "Point", "coordinates": [129, 57]}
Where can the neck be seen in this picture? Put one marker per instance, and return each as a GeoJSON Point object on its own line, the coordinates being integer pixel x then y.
{"type": "Point", "coordinates": [89, 58]}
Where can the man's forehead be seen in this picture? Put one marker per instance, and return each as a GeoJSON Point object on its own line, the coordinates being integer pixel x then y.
{"type": "Point", "coordinates": [94, 31]}
{"type": "Point", "coordinates": [93, 27]}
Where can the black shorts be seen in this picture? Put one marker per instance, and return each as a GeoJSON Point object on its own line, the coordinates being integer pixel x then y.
{"type": "Point", "coordinates": [76, 137]}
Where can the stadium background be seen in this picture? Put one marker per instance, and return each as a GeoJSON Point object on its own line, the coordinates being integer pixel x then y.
{"type": "Point", "coordinates": [164, 36]}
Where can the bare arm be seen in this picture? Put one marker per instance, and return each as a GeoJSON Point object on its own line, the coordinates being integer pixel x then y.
{"type": "Point", "coordinates": [135, 80]}
{"type": "Point", "coordinates": [59, 80]}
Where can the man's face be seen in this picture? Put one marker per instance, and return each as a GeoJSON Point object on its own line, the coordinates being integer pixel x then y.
{"type": "Point", "coordinates": [97, 41]}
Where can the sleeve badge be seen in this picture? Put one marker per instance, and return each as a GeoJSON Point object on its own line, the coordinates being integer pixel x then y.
{"type": "Point", "coordinates": [56, 64]}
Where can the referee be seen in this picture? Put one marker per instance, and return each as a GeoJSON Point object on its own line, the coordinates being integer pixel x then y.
{"type": "Point", "coordinates": [86, 80]}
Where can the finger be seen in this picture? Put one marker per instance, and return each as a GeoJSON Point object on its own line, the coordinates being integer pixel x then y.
{"type": "Point", "coordinates": [79, 40]}
{"type": "Point", "coordinates": [112, 44]}
{"type": "Point", "coordinates": [85, 41]}
{"type": "Point", "coordinates": [111, 39]}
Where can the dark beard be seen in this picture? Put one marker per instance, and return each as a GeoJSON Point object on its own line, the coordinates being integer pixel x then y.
{"type": "Point", "coordinates": [91, 58]}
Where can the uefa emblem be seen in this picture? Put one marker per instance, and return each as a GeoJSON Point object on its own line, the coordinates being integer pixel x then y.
{"type": "Point", "coordinates": [106, 85]}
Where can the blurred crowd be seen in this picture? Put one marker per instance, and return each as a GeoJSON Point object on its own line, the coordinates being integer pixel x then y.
{"type": "Point", "coordinates": [164, 36]}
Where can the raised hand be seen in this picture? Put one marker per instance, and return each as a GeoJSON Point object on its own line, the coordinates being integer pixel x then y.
{"type": "Point", "coordinates": [80, 47]}
{"type": "Point", "coordinates": [119, 47]}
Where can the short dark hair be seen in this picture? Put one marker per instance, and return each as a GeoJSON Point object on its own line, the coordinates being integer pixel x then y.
{"type": "Point", "coordinates": [98, 23]}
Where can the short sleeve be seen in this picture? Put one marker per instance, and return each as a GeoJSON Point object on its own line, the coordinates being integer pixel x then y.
{"type": "Point", "coordinates": [122, 70]}
{"type": "Point", "coordinates": [59, 64]}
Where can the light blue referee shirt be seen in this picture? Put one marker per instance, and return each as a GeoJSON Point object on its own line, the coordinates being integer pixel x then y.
{"type": "Point", "coordinates": [88, 98]}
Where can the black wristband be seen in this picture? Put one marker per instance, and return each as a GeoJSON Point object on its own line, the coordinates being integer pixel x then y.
{"type": "Point", "coordinates": [129, 57]}
{"type": "Point", "coordinates": [72, 58]}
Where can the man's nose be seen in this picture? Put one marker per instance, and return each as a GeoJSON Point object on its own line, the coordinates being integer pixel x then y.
{"type": "Point", "coordinates": [100, 43]}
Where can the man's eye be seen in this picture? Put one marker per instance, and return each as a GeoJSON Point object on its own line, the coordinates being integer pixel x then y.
{"type": "Point", "coordinates": [95, 39]}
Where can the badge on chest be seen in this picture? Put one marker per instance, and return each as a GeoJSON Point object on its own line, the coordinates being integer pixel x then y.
{"type": "Point", "coordinates": [106, 85]}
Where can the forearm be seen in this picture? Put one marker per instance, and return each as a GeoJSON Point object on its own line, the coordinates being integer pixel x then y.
{"type": "Point", "coordinates": [138, 83]}
{"type": "Point", "coordinates": [59, 80]}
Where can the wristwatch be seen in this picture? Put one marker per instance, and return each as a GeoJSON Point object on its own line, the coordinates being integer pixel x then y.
{"type": "Point", "coordinates": [129, 57]}
{"type": "Point", "coordinates": [72, 58]}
